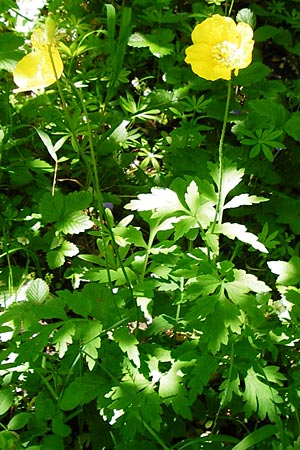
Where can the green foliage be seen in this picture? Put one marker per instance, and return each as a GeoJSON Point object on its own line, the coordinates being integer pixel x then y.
{"type": "Point", "coordinates": [149, 299]}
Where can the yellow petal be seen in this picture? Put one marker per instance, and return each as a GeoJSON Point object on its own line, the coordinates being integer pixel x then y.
{"type": "Point", "coordinates": [213, 30]}
{"type": "Point", "coordinates": [220, 46]}
{"type": "Point", "coordinates": [204, 65]}
{"type": "Point", "coordinates": [35, 70]}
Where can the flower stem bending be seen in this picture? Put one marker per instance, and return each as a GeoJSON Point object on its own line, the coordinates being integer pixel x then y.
{"type": "Point", "coordinates": [221, 199]}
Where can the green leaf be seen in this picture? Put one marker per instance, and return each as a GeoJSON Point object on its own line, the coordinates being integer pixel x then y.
{"type": "Point", "coordinates": [6, 400]}
{"type": "Point", "coordinates": [292, 126]}
{"type": "Point", "coordinates": [242, 284]}
{"type": "Point", "coordinates": [55, 259]}
{"type": "Point", "coordinates": [231, 176]}
{"type": "Point", "coordinates": [289, 272]}
{"type": "Point", "coordinates": [235, 230]}
{"type": "Point", "coordinates": [157, 42]}
{"type": "Point", "coordinates": [244, 200]}
{"type": "Point", "coordinates": [48, 143]}
{"type": "Point", "coordinates": [256, 436]}
{"type": "Point", "coordinates": [150, 407]}
{"type": "Point", "coordinates": [260, 397]}
{"type": "Point", "coordinates": [78, 302]}
{"type": "Point", "coordinates": [254, 73]}
{"type": "Point", "coordinates": [69, 249]}
{"type": "Point", "coordinates": [77, 200]}
{"type": "Point", "coordinates": [52, 441]}
{"type": "Point", "coordinates": [161, 201]}
{"type": "Point", "coordinates": [91, 341]}
{"type": "Point", "coordinates": [217, 314]}
{"type": "Point", "coordinates": [59, 427]}
{"type": "Point", "coordinates": [52, 207]}
{"type": "Point", "coordinates": [8, 440]}
{"type": "Point", "coordinates": [18, 421]}
{"type": "Point", "coordinates": [45, 408]}
{"type": "Point", "coordinates": [9, 45]}
{"type": "Point", "coordinates": [74, 223]}
{"type": "Point", "coordinates": [66, 211]}
{"type": "Point", "coordinates": [128, 344]}
{"type": "Point", "coordinates": [246, 15]}
{"type": "Point", "coordinates": [72, 396]}
{"type": "Point", "coordinates": [38, 291]}
{"type": "Point", "coordinates": [201, 373]}
{"type": "Point", "coordinates": [63, 337]}
{"type": "Point", "coordinates": [265, 32]}
{"type": "Point", "coordinates": [192, 197]}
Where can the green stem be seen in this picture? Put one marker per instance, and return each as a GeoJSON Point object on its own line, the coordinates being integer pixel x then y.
{"type": "Point", "coordinates": [65, 108]}
{"type": "Point", "coordinates": [152, 235]}
{"type": "Point", "coordinates": [220, 200]}
{"type": "Point", "coordinates": [228, 13]}
{"type": "Point", "coordinates": [223, 400]}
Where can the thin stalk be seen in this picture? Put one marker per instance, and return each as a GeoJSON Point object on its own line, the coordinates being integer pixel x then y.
{"type": "Point", "coordinates": [220, 200]}
{"type": "Point", "coordinates": [68, 116]}
{"type": "Point", "coordinates": [94, 174]}
{"type": "Point", "coordinates": [223, 401]}
{"type": "Point", "coordinates": [228, 12]}
{"type": "Point", "coordinates": [152, 235]}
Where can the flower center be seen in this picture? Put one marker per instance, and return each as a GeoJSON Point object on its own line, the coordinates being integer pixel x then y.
{"type": "Point", "coordinates": [227, 54]}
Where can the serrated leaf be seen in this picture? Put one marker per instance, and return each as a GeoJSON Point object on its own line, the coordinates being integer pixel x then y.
{"type": "Point", "coordinates": [265, 32]}
{"type": "Point", "coordinates": [91, 341]}
{"type": "Point", "coordinates": [274, 375]}
{"type": "Point", "coordinates": [74, 223]}
{"type": "Point", "coordinates": [192, 197]}
{"type": "Point", "coordinates": [289, 272]}
{"type": "Point", "coordinates": [78, 200]}
{"type": "Point", "coordinates": [230, 386]}
{"type": "Point", "coordinates": [69, 249]}
{"type": "Point", "coordinates": [63, 337]}
{"type": "Point", "coordinates": [51, 207]}
{"type": "Point", "coordinates": [55, 259]}
{"type": "Point", "coordinates": [161, 201]}
{"type": "Point", "coordinates": [231, 176]}
{"type": "Point", "coordinates": [38, 291]}
{"type": "Point", "coordinates": [238, 231]}
{"type": "Point", "coordinates": [77, 301]}
{"type": "Point", "coordinates": [260, 397]}
{"type": "Point", "coordinates": [150, 408]}
{"type": "Point", "coordinates": [128, 344]}
{"type": "Point", "coordinates": [157, 43]}
{"type": "Point", "coordinates": [247, 16]}
{"type": "Point", "coordinates": [201, 373]}
{"type": "Point", "coordinates": [244, 200]}
{"type": "Point", "coordinates": [243, 284]}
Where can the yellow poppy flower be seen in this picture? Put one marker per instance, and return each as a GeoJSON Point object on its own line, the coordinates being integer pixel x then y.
{"type": "Point", "coordinates": [36, 70]}
{"type": "Point", "coordinates": [220, 46]}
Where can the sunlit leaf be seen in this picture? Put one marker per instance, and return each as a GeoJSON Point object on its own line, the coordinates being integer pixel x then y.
{"type": "Point", "coordinates": [288, 272]}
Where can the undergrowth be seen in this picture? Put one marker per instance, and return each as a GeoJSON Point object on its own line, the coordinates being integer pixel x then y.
{"type": "Point", "coordinates": [144, 304]}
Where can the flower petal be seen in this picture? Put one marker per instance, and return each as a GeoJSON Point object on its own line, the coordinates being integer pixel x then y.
{"type": "Point", "coordinates": [220, 46]}
{"type": "Point", "coordinates": [35, 71]}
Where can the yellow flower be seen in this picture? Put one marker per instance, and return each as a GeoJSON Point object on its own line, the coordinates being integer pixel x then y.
{"type": "Point", "coordinates": [35, 70]}
{"type": "Point", "coordinates": [220, 46]}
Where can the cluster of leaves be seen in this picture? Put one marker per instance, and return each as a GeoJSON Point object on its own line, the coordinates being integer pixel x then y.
{"type": "Point", "coordinates": [131, 315]}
